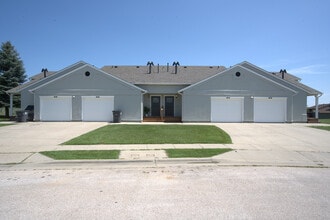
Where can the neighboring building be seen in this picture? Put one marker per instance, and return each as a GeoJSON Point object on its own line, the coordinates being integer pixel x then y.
{"type": "Point", "coordinates": [241, 93]}
{"type": "Point", "coordinates": [324, 111]}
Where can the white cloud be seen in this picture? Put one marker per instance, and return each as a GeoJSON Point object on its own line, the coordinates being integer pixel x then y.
{"type": "Point", "coordinates": [311, 69]}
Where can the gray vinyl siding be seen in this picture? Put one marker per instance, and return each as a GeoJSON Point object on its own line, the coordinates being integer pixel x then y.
{"type": "Point", "coordinates": [127, 99]}
{"type": "Point", "coordinates": [26, 99]}
{"type": "Point", "coordinates": [299, 110]}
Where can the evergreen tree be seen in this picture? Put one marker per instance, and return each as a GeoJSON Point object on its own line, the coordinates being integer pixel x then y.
{"type": "Point", "coordinates": [12, 74]}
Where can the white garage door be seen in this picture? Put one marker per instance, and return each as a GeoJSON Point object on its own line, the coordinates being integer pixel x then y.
{"type": "Point", "coordinates": [269, 109]}
{"type": "Point", "coordinates": [55, 108]}
{"type": "Point", "coordinates": [97, 108]}
{"type": "Point", "coordinates": [227, 109]}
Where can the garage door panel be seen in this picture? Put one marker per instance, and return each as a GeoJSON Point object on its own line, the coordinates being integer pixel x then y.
{"type": "Point", "coordinates": [97, 108]}
{"type": "Point", "coordinates": [227, 109]}
{"type": "Point", "coordinates": [270, 109]}
{"type": "Point", "coordinates": [55, 108]}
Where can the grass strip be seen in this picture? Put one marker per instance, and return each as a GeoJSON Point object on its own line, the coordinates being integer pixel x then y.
{"type": "Point", "coordinates": [82, 154]}
{"type": "Point", "coordinates": [325, 121]}
{"type": "Point", "coordinates": [5, 124]}
{"type": "Point", "coordinates": [195, 153]}
{"type": "Point", "coordinates": [153, 134]}
{"type": "Point", "coordinates": [327, 128]}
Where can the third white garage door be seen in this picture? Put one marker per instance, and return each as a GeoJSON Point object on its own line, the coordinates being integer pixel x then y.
{"type": "Point", "coordinates": [227, 109]}
{"type": "Point", "coordinates": [97, 108]}
{"type": "Point", "coordinates": [269, 109]}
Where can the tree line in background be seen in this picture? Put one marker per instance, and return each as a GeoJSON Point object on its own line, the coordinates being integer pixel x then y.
{"type": "Point", "coordinates": [12, 74]}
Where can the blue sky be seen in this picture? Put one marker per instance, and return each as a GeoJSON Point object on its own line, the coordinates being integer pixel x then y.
{"type": "Point", "coordinates": [281, 34]}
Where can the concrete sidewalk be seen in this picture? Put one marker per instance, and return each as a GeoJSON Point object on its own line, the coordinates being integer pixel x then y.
{"type": "Point", "coordinates": [253, 144]}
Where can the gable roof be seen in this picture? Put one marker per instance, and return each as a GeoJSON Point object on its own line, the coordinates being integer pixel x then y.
{"type": "Point", "coordinates": [265, 77]}
{"type": "Point", "coordinates": [33, 79]}
{"type": "Point", "coordinates": [186, 75]}
{"type": "Point", "coordinates": [274, 77]}
{"type": "Point", "coordinates": [288, 78]}
{"type": "Point", "coordinates": [38, 79]}
{"type": "Point", "coordinates": [92, 67]}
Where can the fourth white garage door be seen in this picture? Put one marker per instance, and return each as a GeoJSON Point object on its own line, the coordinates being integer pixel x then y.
{"type": "Point", "coordinates": [97, 108]}
{"type": "Point", "coordinates": [227, 109]}
{"type": "Point", "coordinates": [269, 109]}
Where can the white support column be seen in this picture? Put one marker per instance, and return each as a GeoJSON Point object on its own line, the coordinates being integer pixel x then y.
{"type": "Point", "coordinates": [11, 105]}
{"type": "Point", "coordinates": [316, 106]}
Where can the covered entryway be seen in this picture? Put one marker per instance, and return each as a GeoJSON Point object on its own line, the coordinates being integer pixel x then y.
{"type": "Point", "coordinates": [227, 109]}
{"type": "Point", "coordinates": [270, 109]}
{"type": "Point", "coordinates": [97, 108]}
{"type": "Point", "coordinates": [55, 108]}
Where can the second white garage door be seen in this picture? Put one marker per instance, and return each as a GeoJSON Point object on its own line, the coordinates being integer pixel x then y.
{"type": "Point", "coordinates": [97, 108]}
{"type": "Point", "coordinates": [269, 109]}
{"type": "Point", "coordinates": [227, 109]}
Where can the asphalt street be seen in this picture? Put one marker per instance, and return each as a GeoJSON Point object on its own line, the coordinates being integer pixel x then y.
{"type": "Point", "coordinates": [178, 192]}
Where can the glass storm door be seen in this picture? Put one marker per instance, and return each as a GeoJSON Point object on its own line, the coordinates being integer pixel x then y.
{"type": "Point", "coordinates": [155, 105]}
{"type": "Point", "coordinates": [169, 105]}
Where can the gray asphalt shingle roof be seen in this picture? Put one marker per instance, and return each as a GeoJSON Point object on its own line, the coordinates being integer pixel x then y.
{"type": "Point", "coordinates": [186, 75]}
{"type": "Point", "coordinates": [296, 81]}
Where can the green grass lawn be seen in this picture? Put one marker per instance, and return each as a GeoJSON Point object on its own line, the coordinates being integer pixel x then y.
{"type": "Point", "coordinates": [325, 121]}
{"type": "Point", "coordinates": [5, 124]}
{"type": "Point", "coordinates": [181, 153]}
{"type": "Point", "coordinates": [114, 154]}
{"type": "Point", "coordinates": [82, 154]}
{"type": "Point", "coordinates": [327, 128]}
{"type": "Point", "coordinates": [153, 134]}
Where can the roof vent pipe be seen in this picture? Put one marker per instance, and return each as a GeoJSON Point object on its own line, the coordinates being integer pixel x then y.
{"type": "Point", "coordinates": [176, 64]}
{"type": "Point", "coordinates": [150, 63]}
{"type": "Point", "coordinates": [44, 70]}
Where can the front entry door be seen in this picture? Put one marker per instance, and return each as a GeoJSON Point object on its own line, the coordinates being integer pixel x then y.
{"type": "Point", "coordinates": [155, 105]}
{"type": "Point", "coordinates": [169, 105]}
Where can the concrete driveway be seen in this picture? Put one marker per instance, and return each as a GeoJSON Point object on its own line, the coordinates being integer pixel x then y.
{"type": "Point", "coordinates": [254, 144]}
{"type": "Point", "coordinates": [277, 144]}
{"type": "Point", "coordinates": [18, 141]}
